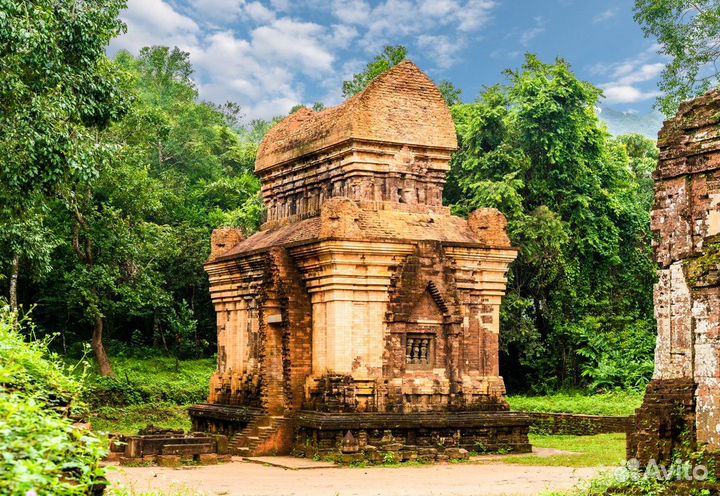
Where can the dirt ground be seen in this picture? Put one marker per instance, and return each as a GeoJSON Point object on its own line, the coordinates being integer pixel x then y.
{"type": "Point", "coordinates": [252, 479]}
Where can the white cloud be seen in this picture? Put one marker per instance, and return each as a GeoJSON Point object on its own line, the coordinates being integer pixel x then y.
{"type": "Point", "coordinates": [640, 74]}
{"type": "Point", "coordinates": [341, 35]}
{"type": "Point", "coordinates": [605, 15]}
{"type": "Point", "coordinates": [474, 15]}
{"type": "Point", "coordinates": [293, 43]}
{"type": "Point", "coordinates": [628, 79]}
{"type": "Point", "coordinates": [258, 52]}
{"type": "Point", "coordinates": [261, 72]}
{"type": "Point", "coordinates": [259, 13]}
{"type": "Point", "coordinates": [154, 22]}
{"type": "Point", "coordinates": [627, 94]}
{"type": "Point", "coordinates": [441, 49]}
{"type": "Point", "coordinates": [353, 12]}
{"type": "Point", "coordinates": [533, 32]}
{"type": "Point", "coordinates": [281, 5]}
{"type": "Point", "coordinates": [392, 20]}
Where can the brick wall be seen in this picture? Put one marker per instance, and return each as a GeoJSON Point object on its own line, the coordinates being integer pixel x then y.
{"type": "Point", "coordinates": [682, 400]}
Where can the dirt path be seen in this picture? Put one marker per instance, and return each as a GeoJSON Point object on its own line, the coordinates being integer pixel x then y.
{"type": "Point", "coordinates": [249, 479]}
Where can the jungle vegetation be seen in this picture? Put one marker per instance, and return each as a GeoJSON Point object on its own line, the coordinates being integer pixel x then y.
{"type": "Point", "coordinates": [110, 188]}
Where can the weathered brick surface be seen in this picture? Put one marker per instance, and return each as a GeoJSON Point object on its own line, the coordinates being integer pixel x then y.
{"type": "Point", "coordinates": [361, 294]}
{"type": "Point", "coordinates": [579, 425]}
{"type": "Point", "coordinates": [409, 436]}
{"type": "Point", "coordinates": [682, 399]}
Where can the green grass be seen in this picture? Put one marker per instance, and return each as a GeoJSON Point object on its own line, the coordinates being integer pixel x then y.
{"type": "Point", "coordinates": [174, 490]}
{"type": "Point", "coordinates": [152, 380]}
{"type": "Point", "coordinates": [130, 419]}
{"type": "Point", "coordinates": [595, 451]}
{"type": "Point", "coordinates": [155, 391]}
{"type": "Point", "coordinates": [615, 403]}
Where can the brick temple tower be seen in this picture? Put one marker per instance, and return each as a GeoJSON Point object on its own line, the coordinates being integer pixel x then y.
{"type": "Point", "coordinates": [682, 403]}
{"type": "Point", "coordinates": [363, 315]}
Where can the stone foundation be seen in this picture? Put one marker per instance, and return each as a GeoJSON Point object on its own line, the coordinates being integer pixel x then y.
{"type": "Point", "coordinates": [222, 419]}
{"type": "Point", "coordinates": [169, 448]}
{"type": "Point", "coordinates": [380, 437]}
{"type": "Point", "coordinates": [665, 421]}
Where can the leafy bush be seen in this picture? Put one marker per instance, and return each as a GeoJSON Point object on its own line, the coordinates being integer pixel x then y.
{"type": "Point", "coordinates": [28, 366]}
{"type": "Point", "coordinates": [41, 450]}
{"type": "Point", "coordinates": [623, 358]}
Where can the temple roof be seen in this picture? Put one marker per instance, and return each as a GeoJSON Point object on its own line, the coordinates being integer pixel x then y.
{"type": "Point", "coordinates": [385, 225]}
{"type": "Point", "coordinates": [402, 105]}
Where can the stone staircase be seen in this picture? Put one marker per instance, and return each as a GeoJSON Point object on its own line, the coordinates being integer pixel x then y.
{"type": "Point", "coordinates": [256, 439]}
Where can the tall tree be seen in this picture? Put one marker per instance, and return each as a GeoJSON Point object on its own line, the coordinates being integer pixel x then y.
{"type": "Point", "coordinates": [57, 90]}
{"type": "Point", "coordinates": [138, 233]}
{"type": "Point", "coordinates": [689, 33]}
{"type": "Point", "coordinates": [535, 149]}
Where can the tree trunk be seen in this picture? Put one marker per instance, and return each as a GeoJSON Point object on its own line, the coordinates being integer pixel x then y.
{"type": "Point", "coordinates": [13, 282]}
{"type": "Point", "coordinates": [99, 349]}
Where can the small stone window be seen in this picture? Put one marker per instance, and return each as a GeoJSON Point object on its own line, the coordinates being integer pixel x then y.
{"type": "Point", "coordinates": [419, 350]}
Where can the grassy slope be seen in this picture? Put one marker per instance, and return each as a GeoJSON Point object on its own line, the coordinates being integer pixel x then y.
{"type": "Point", "coordinates": [615, 403]}
{"type": "Point", "coordinates": [130, 419]}
{"type": "Point", "coordinates": [154, 391]}
{"type": "Point", "coordinates": [153, 380]}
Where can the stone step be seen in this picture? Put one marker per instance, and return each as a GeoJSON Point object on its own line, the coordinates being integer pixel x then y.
{"type": "Point", "coordinates": [260, 429]}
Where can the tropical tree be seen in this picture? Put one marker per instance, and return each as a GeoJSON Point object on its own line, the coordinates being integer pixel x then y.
{"type": "Point", "coordinates": [689, 33]}
{"type": "Point", "coordinates": [535, 149]}
{"type": "Point", "coordinates": [57, 92]}
{"type": "Point", "coordinates": [137, 235]}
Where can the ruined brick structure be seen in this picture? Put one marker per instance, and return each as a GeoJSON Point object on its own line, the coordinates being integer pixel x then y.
{"type": "Point", "coordinates": [682, 401]}
{"type": "Point", "coordinates": [363, 317]}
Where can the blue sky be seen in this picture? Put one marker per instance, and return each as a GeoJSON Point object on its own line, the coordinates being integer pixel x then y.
{"type": "Point", "coordinates": [270, 55]}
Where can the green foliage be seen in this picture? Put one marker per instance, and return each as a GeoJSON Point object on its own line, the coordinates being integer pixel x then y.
{"type": "Point", "coordinates": [147, 380]}
{"type": "Point", "coordinates": [29, 368]}
{"type": "Point", "coordinates": [133, 240]}
{"type": "Point", "coordinates": [618, 402]}
{"type": "Point", "coordinates": [130, 419]}
{"type": "Point", "coordinates": [57, 90]}
{"type": "Point", "coordinates": [184, 328]}
{"type": "Point", "coordinates": [56, 87]}
{"type": "Point", "coordinates": [450, 93]}
{"type": "Point", "coordinates": [689, 33]}
{"type": "Point", "coordinates": [41, 450]}
{"type": "Point", "coordinates": [579, 305]}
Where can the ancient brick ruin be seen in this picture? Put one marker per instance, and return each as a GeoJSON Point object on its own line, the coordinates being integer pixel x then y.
{"type": "Point", "coordinates": [681, 405]}
{"type": "Point", "coordinates": [363, 318]}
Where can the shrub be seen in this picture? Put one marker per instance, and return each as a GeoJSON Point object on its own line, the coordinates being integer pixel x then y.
{"type": "Point", "coordinates": [41, 449]}
{"type": "Point", "coordinates": [29, 367]}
